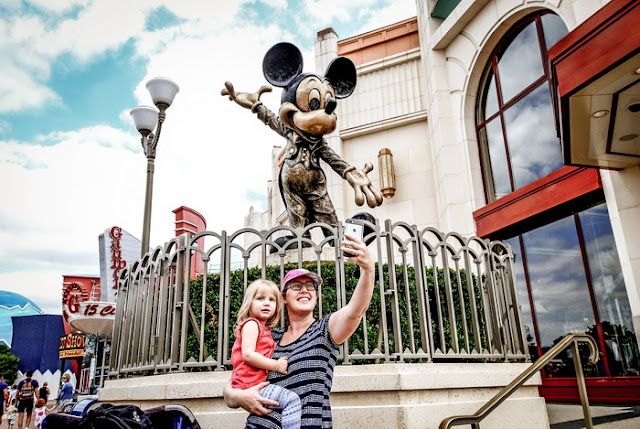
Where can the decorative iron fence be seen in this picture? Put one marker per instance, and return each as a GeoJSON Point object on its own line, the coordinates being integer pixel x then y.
{"type": "Point", "coordinates": [437, 296]}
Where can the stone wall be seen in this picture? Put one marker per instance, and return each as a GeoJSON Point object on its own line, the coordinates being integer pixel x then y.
{"type": "Point", "coordinates": [363, 396]}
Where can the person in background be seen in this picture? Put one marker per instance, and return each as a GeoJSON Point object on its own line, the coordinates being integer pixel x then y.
{"type": "Point", "coordinates": [40, 412]}
{"type": "Point", "coordinates": [12, 413]}
{"type": "Point", "coordinates": [26, 394]}
{"type": "Point", "coordinates": [44, 392]}
{"type": "Point", "coordinates": [12, 393]}
{"type": "Point", "coordinates": [66, 392]}
{"type": "Point", "coordinates": [4, 395]}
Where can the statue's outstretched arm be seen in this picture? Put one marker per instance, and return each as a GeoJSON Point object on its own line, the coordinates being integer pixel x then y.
{"type": "Point", "coordinates": [252, 101]}
{"type": "Point", "coordinates": [244, 99]}
{"type": "Point", "coordinates": [358, 179]}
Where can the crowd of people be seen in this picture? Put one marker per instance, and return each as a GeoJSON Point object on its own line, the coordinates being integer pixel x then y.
{"type": "Point", "coordinates": [27, 401]}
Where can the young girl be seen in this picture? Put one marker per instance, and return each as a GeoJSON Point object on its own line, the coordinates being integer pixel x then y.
{"type": "Point", "coordinates": [12, 413]}
{"type": "Point", "coordinates": [39, 412]}
{"type": "Point", "coordinates": [251, 353]}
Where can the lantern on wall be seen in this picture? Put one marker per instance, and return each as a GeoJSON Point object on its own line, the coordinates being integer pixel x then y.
{"type": "Point", "coordinates": [387, 174]}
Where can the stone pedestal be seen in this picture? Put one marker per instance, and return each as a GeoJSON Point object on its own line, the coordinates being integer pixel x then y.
{"type": "Point", "coordinates": [363, 396]}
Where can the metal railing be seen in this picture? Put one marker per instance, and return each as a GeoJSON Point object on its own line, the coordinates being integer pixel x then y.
{"type": "Point", "coordinates": [571, 340]}
{"type": "Point", "coordinates": [437, 296]}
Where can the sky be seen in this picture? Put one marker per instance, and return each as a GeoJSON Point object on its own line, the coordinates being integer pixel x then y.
{"type": "Point", "coordinates": [71, 163]}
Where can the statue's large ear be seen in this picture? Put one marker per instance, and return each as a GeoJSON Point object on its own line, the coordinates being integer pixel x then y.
{"type": "Point", "coordinates": [281, 64]}
{"type": "Point", "coordinates": [341, 73]}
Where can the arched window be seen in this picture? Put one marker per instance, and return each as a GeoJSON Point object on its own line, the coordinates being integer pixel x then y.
{"type": "Point", "coordinates": [568, 272]}
{"type": "Point", "coordinates": [515, 116]}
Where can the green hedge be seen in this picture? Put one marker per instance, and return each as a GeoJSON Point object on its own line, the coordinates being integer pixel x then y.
{"type": "Point", "coordinates": [329, 303]}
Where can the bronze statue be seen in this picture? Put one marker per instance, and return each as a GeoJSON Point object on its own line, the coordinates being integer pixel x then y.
{"type": "Point", "coordinates": [306, 115]}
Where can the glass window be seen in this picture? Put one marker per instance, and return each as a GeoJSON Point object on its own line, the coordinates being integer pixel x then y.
{"type": "Point", "coordinates": [534, 147]}
{"type": "Point", "coordinates": [523, 297]}
{"type": "Point", "coordinates": [516, 87]}
{"type": "Point", "coordinates": [554, 29]}
{"type": "Point", "coordinates": [610, 292]}
{"type": "Point", "coordinates": [551, 265]}
{"type": "Point", "coordinates": [521, 63]}
{"type": "Point", "coordinates": [559, 290]}
{"type": "Point", "coordinates": [558, 280]}
{"type": "Point", "coordinates": [489, 105]}
{"type": "Point", "coordinates": [499, 173]}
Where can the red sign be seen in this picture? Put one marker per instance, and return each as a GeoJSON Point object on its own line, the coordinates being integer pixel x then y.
{"type": "Point", "coordinates": [117, 262]}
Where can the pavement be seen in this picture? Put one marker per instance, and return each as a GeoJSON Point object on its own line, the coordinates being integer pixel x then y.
{"type": "Point", "coordinates": [570, 416]}
{"type": "Point", "coordinates": [561, 416]}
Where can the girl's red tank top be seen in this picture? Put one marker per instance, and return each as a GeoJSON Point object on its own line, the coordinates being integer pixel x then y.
{"type": "Point", "coordinates": [245, 375]}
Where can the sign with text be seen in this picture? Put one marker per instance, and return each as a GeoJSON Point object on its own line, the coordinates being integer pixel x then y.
{"type": "Point", "coordinates": [71, 346]}
{"type": "Point", "coordinates": [118, 250]}
{"type": "Point", "coordinates": [91, 317]}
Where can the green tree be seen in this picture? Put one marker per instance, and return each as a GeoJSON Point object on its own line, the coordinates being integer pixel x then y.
{"type": "Point", "coordinates": [8, 364]}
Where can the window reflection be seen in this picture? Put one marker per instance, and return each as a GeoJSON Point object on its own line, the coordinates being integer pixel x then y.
{"type": "Point", "coordinates": [521, 63]}
{"type": "Point", "coordinates": [561, 300]}
{"type": "Point", "coordinates": [523, 297]}
{"type": "Point", "coordinates": [553, 28]}
{"type": "Point", "coordinates": [610, 292]}
{"type": "Point", "coordinates": [558, 281]}
{"type": "Point", "coordinates": [507, 87]}
{"type": "Point", "coordinates": [534, 147]}
{"type": "Point", "coordinates": [559, 289]}
{"type": "Point", "coordinates": [497, 159]}
{"type": "Point", "coordinates": [489, 105]}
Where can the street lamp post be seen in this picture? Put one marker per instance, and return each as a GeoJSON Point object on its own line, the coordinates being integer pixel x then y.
{"type": "Point", "coordinates": [162, 92]}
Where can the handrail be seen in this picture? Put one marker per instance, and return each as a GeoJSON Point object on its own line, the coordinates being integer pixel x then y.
{"type": "Point", "coordinates": [569, 340]}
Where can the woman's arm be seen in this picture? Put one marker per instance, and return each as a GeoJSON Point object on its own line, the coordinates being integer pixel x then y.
{"type": "Point", "coordinates": [250, 332]}
{"type": "Point", "coordinates": [248, 399]}
{"type": "Point", "coordinates": [345, 321]}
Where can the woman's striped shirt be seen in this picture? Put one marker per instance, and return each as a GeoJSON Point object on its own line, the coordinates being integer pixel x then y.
{"type": "Point", "coordinates": [312, 358]}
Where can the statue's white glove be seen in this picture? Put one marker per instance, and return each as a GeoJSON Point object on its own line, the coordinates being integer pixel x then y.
{"type": "Point", "coordinates": [362, 186]}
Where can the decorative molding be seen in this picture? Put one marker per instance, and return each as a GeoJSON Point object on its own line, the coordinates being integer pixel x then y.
{"type": "Point", "coordinates": [392, 60]}
{"type": "Point", "coordinates": [385, 124]}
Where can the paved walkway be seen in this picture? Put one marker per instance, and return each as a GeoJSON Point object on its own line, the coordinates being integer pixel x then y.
{"type": "Point", "coordinates": [564, 416]}
{"type": "Point", "coordinates": [569, 416]}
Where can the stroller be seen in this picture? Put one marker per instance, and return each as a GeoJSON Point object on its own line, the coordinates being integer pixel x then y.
{"type": "Point", "coordinates": [91, 414]}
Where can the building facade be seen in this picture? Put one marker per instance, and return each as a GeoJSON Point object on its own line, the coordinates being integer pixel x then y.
{"type": "Point", "coordinates": [493, 111]}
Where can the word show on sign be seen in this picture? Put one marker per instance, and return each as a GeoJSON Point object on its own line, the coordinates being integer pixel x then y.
{"type": "Point", "coordinates": [72, 341]}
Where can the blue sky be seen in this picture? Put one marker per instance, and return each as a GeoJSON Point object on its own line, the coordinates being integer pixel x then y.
{"type": "Point", "coordinates": [71, 164]}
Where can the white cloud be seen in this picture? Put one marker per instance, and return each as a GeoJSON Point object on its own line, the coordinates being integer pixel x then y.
{"type": "Point", "coordinates": [55, 6]}
{"type": "Point", "coordinates": [105, 25]}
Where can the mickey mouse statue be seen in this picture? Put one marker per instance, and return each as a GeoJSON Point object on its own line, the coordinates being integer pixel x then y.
{"type": "Point", "coordinates": [306, 115]}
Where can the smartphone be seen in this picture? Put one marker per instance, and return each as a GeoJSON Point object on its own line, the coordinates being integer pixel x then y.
{"type": "Point", "coordinates": [354, 228]}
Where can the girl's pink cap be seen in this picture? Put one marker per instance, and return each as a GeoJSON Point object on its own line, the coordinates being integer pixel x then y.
{"type": "Point", "coordinates": [300, 272]}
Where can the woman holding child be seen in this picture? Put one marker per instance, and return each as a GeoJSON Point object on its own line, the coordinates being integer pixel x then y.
{"type": "Point", "coordinates": [311, 346]}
